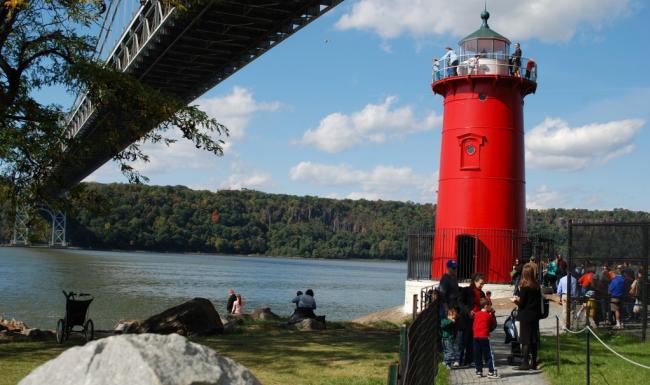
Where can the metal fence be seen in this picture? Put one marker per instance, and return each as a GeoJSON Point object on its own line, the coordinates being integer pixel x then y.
{"type": "Point", "coordinates": [419, 254]}
{"type": "Point", "coordinates": [485, 64]}
{"type": "Point", "coordinates": [490, 251]}
{"type": "Point", "coordinates": [420, 366]}
{"type": "Point", "coordinates": [597, 253]}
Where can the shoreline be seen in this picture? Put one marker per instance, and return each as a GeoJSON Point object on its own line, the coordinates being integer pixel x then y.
{"type": "Point", "coordinates": [77, 248]}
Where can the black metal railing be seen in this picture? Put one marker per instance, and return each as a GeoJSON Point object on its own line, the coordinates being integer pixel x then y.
{"type": "Point", "coordinates": [419, 253]}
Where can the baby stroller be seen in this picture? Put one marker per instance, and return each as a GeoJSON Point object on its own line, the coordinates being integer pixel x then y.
{"type": "Point", "coordinates": [76, 307]}
{"type": "Point", "coordinates": [511, 329]}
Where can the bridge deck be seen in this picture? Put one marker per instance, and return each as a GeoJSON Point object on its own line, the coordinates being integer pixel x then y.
{"type": "Point", "coordinates": [184, 54]}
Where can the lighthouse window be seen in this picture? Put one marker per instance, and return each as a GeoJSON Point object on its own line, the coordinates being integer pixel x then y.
{"type": "Point", "coordinates": [471, 150]}
{"type": "Point", "coordinates": [482, 96]}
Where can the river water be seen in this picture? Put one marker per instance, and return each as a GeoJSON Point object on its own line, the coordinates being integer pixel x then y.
{"type": "Point", "coordinates": [131, 285]}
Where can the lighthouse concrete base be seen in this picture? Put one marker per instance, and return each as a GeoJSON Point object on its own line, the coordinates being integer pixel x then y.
{"type": "Point", "coordinates": [412, 287]}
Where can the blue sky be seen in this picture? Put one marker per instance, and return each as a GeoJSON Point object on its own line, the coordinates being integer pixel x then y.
{"type": "Point", "coordinates": [344, 108]}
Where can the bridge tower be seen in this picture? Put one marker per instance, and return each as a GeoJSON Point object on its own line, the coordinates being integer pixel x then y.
{"type": "Point", "coordinates": [58, 227]}
{"type": "Point", "coordinates": [481, 212]}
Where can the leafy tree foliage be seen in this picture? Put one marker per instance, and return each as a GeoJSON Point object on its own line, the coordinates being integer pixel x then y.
{"type": "Point", "coordinates": [46, 43]}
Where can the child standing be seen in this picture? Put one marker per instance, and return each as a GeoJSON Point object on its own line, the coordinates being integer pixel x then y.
{"type": "Point", "coordinates": [449, 345]}
{"type": "Point", "coordinates": [484, 323]}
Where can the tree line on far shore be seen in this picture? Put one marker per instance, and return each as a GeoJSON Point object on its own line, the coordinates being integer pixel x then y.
{"type": "Point", "coordinates": [178, 219]}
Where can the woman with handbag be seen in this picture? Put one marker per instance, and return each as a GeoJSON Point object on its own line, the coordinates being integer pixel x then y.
{"type": "Point", "coordinates": [529, 303]}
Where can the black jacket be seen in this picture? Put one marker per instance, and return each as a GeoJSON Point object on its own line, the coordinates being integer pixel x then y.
{"type": "Point", "coordinates": [530, 305]}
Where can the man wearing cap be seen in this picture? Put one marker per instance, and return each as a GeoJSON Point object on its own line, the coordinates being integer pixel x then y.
{"type": "Point", "coordinates": [450, 60]}
{"type": "Point", "coordinates": [448, 288]}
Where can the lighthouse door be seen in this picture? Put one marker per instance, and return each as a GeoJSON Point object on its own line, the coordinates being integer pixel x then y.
{"type": "Point", "coordinates": [465, 252]}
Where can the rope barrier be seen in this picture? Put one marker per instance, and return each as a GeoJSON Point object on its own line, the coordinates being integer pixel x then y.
{"type": "Point", "coordinates": [606, 346]}
{"type": "Point", "coordinates": [575, 332]}
{"type": "Point", "coordinates": [617, 354]}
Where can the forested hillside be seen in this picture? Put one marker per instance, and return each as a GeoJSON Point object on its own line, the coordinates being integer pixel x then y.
{"type": "Point", "coordinates": [140, 217]}
{"type": "Point", "coordinates": [245, 222]}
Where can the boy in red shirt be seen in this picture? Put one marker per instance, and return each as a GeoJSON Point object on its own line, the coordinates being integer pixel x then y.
{"type": "Point", "coordinates": [484, 323]}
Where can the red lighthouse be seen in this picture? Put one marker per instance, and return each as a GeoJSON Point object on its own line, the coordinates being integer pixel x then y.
{"type": "Point", "coordinates": [481, 212]}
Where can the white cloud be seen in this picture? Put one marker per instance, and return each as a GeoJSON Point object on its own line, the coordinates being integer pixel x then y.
{"type": "Point", "coordinates": [254, 180]}
{"type": "Point", "coordinates": [544, 198]}
{"type": "Point", "coordinates": [382, 182]}
{"type": "Point", "coordinates": [375, 123]}
{"type": "Point", "coordinates": [554, 145]}
{"type": "Point", "coordinates": [547, 20]}
{"type": "Point", "coordinates": [234, 110]}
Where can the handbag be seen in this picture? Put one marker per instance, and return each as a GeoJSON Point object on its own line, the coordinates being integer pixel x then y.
{"type": "Point", "coordinates": [544, 305]}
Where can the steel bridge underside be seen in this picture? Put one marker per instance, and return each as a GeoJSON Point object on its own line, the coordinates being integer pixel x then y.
{"type": "Point", "coordinates": [185, 55]}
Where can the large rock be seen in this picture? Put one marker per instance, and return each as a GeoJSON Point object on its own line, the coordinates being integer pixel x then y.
{"type": "Point", "coordinates": [265, 314]}
{"type": "Point", "coordinates": [192, 318]}
{"type": "Point", "coordinates": [145, 359]}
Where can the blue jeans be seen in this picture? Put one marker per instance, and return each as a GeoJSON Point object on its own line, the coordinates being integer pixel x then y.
{"type": "Point", "coordinates": [450, 348]}
{"type": "Point", "coordinates": [482, 352]}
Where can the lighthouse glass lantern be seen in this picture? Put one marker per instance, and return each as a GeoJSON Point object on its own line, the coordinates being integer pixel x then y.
{"type": "Point", "coordinates": [481, 213]}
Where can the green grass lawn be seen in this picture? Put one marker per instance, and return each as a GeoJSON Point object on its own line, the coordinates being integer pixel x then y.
{"type": "Point", "coordinates": [606, 368]}
{"type": "Point", "coordinates": [344, 354]}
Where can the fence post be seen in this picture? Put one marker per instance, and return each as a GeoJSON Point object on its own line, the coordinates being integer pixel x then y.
{"type": "Point", "coordinates": [587, 332]}
{"type": "Point", "coordinates": [644, 281]}
{"type": "Point", "coordinates": [403, 353]}
{"type": "Point", "coordinates": [415, 306]}
{"type": "Point", "coordinates": [557, 343]}
{"type": "Point", "coordinates": [568, 283]}
{"type": "Point", "coordinates": [392, 374]}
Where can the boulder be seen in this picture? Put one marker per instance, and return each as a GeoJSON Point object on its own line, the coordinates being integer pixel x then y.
{"type": "Point", "coordinates": [192, 318]}
{"type": "Point", "coordinates": [265, 314]}
{"type": "Point", "coordinates": [38, 334]}
{"type": "Point", "coordinates": [231, 326]}
{"type": "Point", "coordinates": [309, 324]}
{"type": "Point", "coordinates": [144, 359]}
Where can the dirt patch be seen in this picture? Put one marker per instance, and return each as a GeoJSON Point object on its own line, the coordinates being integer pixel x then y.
{"type": "Point", "coordinates": [394, 315]}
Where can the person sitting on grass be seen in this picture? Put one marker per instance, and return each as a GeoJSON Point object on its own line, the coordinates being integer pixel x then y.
{"type": "Point", "coordinates": [305, 306]}
{"type": "Point", "coordinates": [484, 322]}
{"type": "Point", "coordinates": [449, 333]}
{"type": "Point", "coordinates": [238, 305]}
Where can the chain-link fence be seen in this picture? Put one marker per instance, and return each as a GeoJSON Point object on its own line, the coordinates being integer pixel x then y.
{"type": "Point", "coordinates": [423, 339]}
{"type": "Point", "coordinates": [609, 263]}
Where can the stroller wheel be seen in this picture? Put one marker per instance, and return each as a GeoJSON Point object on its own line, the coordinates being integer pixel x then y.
{"type": "Point", "coordinates": [89, 330]}
{"type": "Point", "coordinates": [60, 331]}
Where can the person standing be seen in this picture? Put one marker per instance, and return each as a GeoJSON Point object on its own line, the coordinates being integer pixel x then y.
{"type": "Point", "coordinates": [450, 59]}
{"type": "Point", "coordinates": [551, 274]}
{"type": "Point", "coordinates": [484, 322]}
{"type": "Point", "coordinates": [563, 293]}
{"type": "Point", "coordinates": [516, 60]}
{"type": "Point", "coordinates": [231, 300]}
{"type": "Point", "coordinates": [469, 302]}
{"type": "Point", "coordinates": [448, 288]}
{"type": "Point", "coordinates": [616, 290]}
{"type": "Point", "coordinates": [529, 303]}
{"type": "Point", "coordinates": [436, 70]}
{"type": "Point", "coordinates": [448, 329]}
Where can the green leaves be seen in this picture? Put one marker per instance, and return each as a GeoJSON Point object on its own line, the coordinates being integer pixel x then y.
{"type": "Point", "coordinates": [47, 43]}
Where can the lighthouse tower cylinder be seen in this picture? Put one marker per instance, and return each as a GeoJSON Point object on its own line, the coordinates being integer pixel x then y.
{"type": "Point", "coordinates": [481, 212]}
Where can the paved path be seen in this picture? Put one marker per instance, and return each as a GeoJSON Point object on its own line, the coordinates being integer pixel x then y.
{"type": "Point", "coordinates": [501, 352]}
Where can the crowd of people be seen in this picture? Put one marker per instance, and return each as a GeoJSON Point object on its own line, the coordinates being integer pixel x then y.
{"type": "Point", "coordinates": [467, 319]}
{"type": "Point", "coordinates": [607, 295]}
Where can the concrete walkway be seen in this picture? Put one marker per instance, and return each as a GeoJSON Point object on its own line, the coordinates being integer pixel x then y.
{"type": "Point", "coordinates": [501, 352]}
